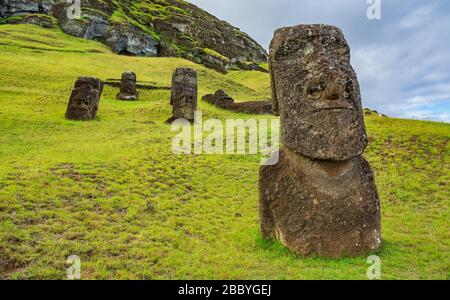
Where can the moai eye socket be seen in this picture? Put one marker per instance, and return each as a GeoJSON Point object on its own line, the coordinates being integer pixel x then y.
{"type": "Point", "coordinates": [315, 89]}
{"type": "Point", "coordinates": [349, 87]}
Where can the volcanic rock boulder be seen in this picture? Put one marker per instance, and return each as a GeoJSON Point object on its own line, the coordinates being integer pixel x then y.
{"type": "Point", "coordinates": [320, 198]}
{"type": "Point", "coordinates": [128, 90]}
{"type": "Point", "coordinates": [184, 94]}
{"type": "Point", "coordinates": [85, 98]}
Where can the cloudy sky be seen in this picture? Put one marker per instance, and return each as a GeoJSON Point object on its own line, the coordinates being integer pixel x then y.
{"type": "Point", "coordinates": [402, 60]}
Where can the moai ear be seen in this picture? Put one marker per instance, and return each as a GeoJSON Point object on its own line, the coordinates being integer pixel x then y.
{"type": "Point", "coordinates": [275, 107]}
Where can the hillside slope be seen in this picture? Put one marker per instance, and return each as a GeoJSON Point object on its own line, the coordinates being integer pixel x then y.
{"type": "Point", "coordinates": [146, 28]}
{"type": "Point", "coordinates": [112, 192]}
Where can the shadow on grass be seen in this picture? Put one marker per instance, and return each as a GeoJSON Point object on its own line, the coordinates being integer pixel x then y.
{"type": "Point", "coordinates": [273, 249]}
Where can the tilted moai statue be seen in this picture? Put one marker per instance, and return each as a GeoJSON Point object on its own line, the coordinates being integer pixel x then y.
{"type": "Point", "coordinates": [85, 98]}
{"type": "Point", "coordinates": [128, 90]}
{"type": "Point", "coordinates": [184, 94]}
{"type": "Point", "coordinates": [321, 197]}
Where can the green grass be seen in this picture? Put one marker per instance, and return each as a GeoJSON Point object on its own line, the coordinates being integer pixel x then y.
{"type": "Point", "coordinates": [112, 192]}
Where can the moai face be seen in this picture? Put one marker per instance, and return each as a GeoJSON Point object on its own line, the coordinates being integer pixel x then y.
{"type": "Point", "coordinates": [128, 83]}
{"type": "Point", "coordinates": [316, 93]}
{"type": "Point", "coordinates": [127, 87]}
{"type": "Point", "coordinates": [85, 98]}
{"type": "Point", "coordinates": [184, 93]}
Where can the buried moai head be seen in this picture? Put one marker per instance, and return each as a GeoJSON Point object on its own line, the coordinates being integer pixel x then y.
{"type": "Point", "coordinates": [85, 98]}
{"type": "Point", "coordinates": [128, 87]}
{"type": "Point", "coordinates": [184, 93]}
{"type": "Point", "coordinates": [316, 93]}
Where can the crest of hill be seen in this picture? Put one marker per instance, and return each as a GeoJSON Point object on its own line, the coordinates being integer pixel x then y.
{"type": "Point", "coordinates": [171, 28]}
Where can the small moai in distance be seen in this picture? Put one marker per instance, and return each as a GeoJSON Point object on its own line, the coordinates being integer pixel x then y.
{"type": "Point", "coordinates": [128, 90]}
{"type": "Point", "coordinates": [219, 99]}
{"type": "Point", "coordinates": [85, 98]}
{"type": "Point", "coordinates": [184, 94]}
{"type": "Point", "coordinates": [320, 198]}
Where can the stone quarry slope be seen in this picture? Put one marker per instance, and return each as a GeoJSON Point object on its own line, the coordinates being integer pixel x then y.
{"type": "Point", "coordinates": [172, 28]}
{"type": "Point", "coordinates": [112, 192]}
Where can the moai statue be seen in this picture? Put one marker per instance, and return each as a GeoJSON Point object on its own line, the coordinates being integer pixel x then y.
{"type": "Point", "coordinates": [85, 98]}
{"type": "Point", "coordinates": [128, 90]}
{"type": "Point", "coordinates": [320, 198]}
{"type": "Point", "coordinates": [219, 99]}
{"type": "Point", "coordinates": [184, 94]}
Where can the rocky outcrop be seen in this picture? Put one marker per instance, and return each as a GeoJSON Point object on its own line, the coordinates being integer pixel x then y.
{"type": "Point", "coordinates": [85, 98]}
{"type": "Point", "coordinates": [320, 198]}
{"type": "Point", "coordinates": [148, 28]}
{"type": "Point", "coordinates": [9, 8]}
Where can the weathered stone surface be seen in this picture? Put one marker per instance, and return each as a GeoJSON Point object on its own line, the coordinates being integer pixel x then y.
{"type": "Point", "coordinates": [85, 98]}
{"type": "Point", "coordinates": [318, 207]}
{"type": "Point", "coordinates": [10, 8]}
{"type": "Point", "coordinates": [222, 100]}
{"type": "Point", "coordinates": [129, 40]}
{"type": "Point", "coordinates": [320, 198]}
{"type": "Point", "coordinates": [128, 90]}
{"type": "Point", "coordinates": [184, 93]}
{"type": "Point", "coordinates": [219, 99]}
{"type": "Point", "coordinates": [259, 107]}
{"type": "Point", "coordinates": [316, 93]}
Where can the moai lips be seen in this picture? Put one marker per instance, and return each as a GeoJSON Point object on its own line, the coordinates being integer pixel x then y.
{"type": "Point", "coordinates": [184, 94]}
{"type": "Point", "coordinates": [321, 111]}
{"type": "Point", "coordinates": [85, 98]}
{"type": "Point", "coordinates": [128, 90]}
{"type": "Point", "coordinates": [320, 198]}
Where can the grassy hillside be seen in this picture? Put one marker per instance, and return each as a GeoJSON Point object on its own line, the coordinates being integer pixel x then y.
{"type": "Point", "coordinates": [112, 192]}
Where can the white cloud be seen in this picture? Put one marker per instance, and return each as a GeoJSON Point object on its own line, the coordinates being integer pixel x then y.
{"type": "Point", "coordinates": [419, 16]}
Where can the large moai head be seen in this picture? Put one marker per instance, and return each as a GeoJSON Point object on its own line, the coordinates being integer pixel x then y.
{"type": "Point", "coordinates": [316, 93]}
{"type": "Point", "coordinates": [85, 98]}
{"type": "Point", "coordinates": [128, 87]}
{"type": "Point", "coordinates": [184, 93]}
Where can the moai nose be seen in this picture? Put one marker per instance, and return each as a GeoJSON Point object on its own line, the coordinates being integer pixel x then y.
{"type": "Point", "coordinates": [333, 92]}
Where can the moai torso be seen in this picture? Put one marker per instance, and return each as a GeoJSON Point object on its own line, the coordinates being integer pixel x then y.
{"type": "Point", "coordinates": [320, 198]}
{"type": "Point", "coordinates": [128, 87]}
{"type": "Point", "coordinates": [85, 98]}
{"type": "Point", "coordinates": [184, 93]}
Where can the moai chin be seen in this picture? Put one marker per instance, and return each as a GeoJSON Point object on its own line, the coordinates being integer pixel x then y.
{"type": "Point", "coordinates": [321, 197]}
{"type": "Point", "coordinates": [85, 98]}
{"type": "Point", "coordinates": [184, 94]}
{"type": "Point", "coordinates": [128, 90]}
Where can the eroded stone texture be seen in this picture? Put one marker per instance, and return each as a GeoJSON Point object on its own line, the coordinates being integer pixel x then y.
{"type": "Point", "coordinates": [219, 99]}
{"type": "Point", "coordinates": [128, 87]}
{"type": "Point", "coordinates": [320, 207]}
{"type": "Point", "coordinates": [85, 98]}
{"type": "Point", "coordinates": [184, 93]}
{"type": "Point", "coordinates": [320, 198]}
{"type": "Point", "coordinates": [222, 100]}
{"type": "Point", "coordinates": [316, 93]}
